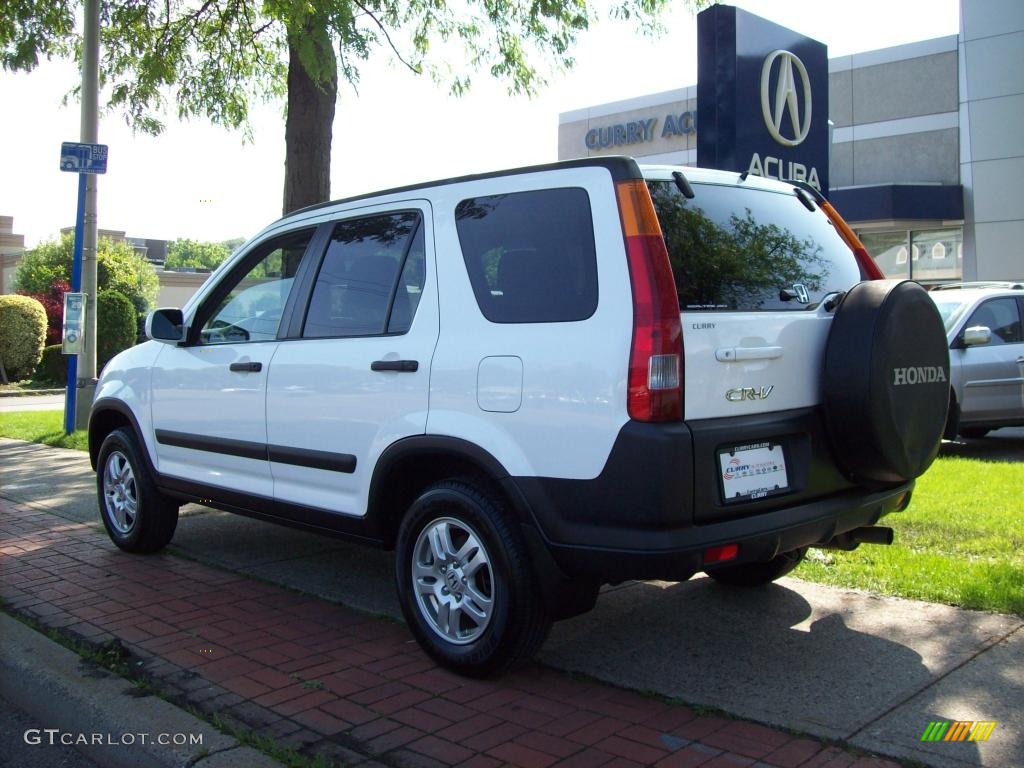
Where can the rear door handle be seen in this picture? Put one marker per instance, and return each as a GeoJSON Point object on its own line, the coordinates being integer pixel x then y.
{"type": "Point", "coordinates": [1020, 359]}
{"type": "Point", "coordinates": [402, 366]}
{"type": "Point", "coordinates": [246, 367]}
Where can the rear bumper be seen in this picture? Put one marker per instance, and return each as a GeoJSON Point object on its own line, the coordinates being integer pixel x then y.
{"type": "Point", "coordinates": [657, 505]}
{"type": "Point", "coordinates": [759, 538]}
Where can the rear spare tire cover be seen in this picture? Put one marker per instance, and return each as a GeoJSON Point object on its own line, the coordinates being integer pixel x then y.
{"type": "Point", "coordinates": [886, 381]}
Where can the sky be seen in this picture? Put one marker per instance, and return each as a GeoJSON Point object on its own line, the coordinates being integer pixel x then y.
{"type": "Point", "coordinates": [203, 182]}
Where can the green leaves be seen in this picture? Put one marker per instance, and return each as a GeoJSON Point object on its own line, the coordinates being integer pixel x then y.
{"type": "Point", "coordinates": [214, 58]}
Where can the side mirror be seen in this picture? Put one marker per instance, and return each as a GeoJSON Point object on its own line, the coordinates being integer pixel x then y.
{"type": "Point", "coordinates": [166, 325]}
{"type": "Point", "coordinates": [977, 335]}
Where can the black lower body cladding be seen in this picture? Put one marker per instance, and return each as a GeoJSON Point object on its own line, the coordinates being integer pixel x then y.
{"type": "Point", "coordinates": [886, 381]}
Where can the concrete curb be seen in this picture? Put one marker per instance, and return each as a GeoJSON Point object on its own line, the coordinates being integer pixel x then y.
{"type": "Point", "coordinates": [51, 683]}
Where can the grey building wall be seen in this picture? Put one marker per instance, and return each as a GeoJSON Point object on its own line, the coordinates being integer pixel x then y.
{"type": "Point", "coordinates": [991, 81]}
{"type": "Point", "coordinates": [663, 145]}
{"type": "Point", "coordinates": [895, 113]}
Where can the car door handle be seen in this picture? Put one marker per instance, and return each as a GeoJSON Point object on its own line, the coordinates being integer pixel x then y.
{"type": "Point", "coordinates": [246, 367]}
{"type": "Point", "coordinates": [735, 354]}
{"type": "Point", "coordinates": [402, 366]}
{"type": "Point", "coordinates": [1020, 359]}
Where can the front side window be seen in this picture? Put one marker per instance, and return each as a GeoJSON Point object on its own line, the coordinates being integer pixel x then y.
{"type": "Point", "coordinates": [371, 277]}
{"type": "Point", "coordinates": [530, 255]}
{"type": "Point", "coordinates": [252, 307]}
{"type": "Point", "coordinates": [1002, 318]}
{"type": "Point", "coordinates": [748, 249]}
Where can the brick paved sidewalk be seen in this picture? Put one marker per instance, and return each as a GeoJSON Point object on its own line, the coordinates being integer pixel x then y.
{"type": "Point", "coordinates": [329, 680]}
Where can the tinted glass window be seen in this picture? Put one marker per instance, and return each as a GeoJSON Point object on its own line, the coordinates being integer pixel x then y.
{"type": "Point", "coordinates": [1002, 318]}
{"type": "Point", "coordinates": [357, 280]}
{"type": "Point", "coordinates": [530, 255]}
{"type": "Point", "coordinates": [748, 249]}
{"type": "Point", "coordinates": [252, 308]}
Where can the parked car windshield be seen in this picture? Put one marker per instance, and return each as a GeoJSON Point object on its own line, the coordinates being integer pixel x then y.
{"type": "Point", "coordinates": [750, 249]}
{"type": "Point", "coordinates": [950, 309]}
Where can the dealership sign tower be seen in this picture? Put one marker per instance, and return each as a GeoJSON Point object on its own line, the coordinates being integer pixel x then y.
{"type": "Point", "coordinates": [762, 97]}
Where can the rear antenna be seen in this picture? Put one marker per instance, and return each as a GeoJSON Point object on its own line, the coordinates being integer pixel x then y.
{"type": "Point", "coordinates": [683, 185]}
{"type": "Point", "coordinates": [743, 176]}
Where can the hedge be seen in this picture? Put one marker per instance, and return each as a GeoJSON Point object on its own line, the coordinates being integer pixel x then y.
{"type": "Point", "coordinates": [22, 335]}
{"type": "Point", "coordinates": [116, 329]}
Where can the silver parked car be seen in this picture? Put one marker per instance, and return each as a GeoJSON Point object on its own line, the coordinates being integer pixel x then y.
{"type": "Point", "coordinates": [986, 355]}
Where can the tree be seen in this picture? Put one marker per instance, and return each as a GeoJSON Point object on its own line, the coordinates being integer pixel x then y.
{"type": "Point", "coordinates": [118, 268]}
{"type": "Point", "coordinates": [215, 57]}
{"type": "Point", "coordinates": [195, 254]}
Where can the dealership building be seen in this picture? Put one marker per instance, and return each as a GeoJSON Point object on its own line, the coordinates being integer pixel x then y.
{"type": "Point", "coordinates": [920, 146]}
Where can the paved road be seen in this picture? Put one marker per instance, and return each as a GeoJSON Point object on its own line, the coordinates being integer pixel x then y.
{"type": "Point", "coordinates": [834, 663]}
{"type": "Point", "coordinates": [18, 753]}
{"type": "Point", "coordinates": [32, 403]}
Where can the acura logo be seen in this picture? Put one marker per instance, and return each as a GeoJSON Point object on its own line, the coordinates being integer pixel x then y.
{"type": "Point", "coordinates": [787, 101]}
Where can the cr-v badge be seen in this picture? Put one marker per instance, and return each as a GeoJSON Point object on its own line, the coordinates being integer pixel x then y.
{"type": "Point", "coordinates": [748, 393]}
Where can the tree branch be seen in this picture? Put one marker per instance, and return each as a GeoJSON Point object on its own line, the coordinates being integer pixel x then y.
{"type": "Point", "coordinates": [387, 37]}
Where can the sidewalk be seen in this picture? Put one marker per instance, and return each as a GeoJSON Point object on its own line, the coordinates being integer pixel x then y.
{"type": "Point", "coordinates": [838, 664]}
{"type": "Point", "coordinates": [352, 687]}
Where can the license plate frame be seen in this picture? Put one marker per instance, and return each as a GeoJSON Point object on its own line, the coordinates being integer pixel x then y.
{"type": "Point", "coordinates": [752, 472]}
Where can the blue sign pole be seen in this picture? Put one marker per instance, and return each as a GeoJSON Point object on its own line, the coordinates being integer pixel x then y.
{"type": "Point", "coordinates": [70, 397]}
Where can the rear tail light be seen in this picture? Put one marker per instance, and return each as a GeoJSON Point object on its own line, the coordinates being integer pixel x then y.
{"type": "Point", "coordinates": [721, 554]}
{"type": "Point", "coordinates": [868, 268]}
{"type": "Point", "coordinates": [655, 378]}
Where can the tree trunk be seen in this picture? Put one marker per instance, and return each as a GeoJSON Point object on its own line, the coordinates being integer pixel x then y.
{"type": "Point", "coordinates": [309, 123]}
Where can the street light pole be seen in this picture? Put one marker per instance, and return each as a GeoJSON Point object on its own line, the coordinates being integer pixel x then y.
{"type": "Point", "coordinates": [86, 384]}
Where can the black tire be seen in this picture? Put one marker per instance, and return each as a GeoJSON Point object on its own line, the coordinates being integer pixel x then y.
{"type": "Point", "coordinates": [952, 428]}
{"type": "Point", "coordinates": [138, 518]}
{"type": "Point", "coordinates": [449, 624]}
{"type": "Point", "coordinates": [757, 574]}
{"type": "Point", "coordinates": [974, 433]}
{"type": "Point", "coordinates": [886, 382]}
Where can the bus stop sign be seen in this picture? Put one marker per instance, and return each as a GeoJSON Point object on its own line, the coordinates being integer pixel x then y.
{"type": "Point", "coordinates": [83, 158]}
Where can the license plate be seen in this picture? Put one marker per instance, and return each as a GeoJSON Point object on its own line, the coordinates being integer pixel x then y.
{"type": "Point", "coordinates": [753, 472]}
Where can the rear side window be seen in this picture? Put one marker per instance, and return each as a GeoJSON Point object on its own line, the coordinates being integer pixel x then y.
{"type": "Point", "coordinates": [749, 249]}
{"type": "Point", "coordinates": [371, 277]}
{"type": "Point", "coordinates": [530, 255]}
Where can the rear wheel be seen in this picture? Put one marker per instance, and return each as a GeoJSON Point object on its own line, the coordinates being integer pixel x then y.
{"type": "Point", "coordinates": [757, 574]}
{"type": "Point", "coordinates": [465, 583]}
{"type": "Point", "coordinates": [138, 518]}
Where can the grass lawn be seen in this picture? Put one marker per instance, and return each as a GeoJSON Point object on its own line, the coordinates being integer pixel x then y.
{"type": "Point", "coordinates": [961, 541]}
{"type": "Point", "coordinates": [41, 427]}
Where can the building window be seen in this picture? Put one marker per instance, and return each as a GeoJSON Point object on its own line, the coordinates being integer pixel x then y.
{"type": "Point", "coordinates": [928, 252]}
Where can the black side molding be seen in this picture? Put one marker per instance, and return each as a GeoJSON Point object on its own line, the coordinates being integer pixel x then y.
{"type": "Point", "coordinates": [243, 448]}
{"type": "Point", "coordinates": [299, 457]}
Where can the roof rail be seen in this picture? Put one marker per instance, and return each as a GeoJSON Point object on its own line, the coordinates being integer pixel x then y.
{"type": "Point", "coordinates": [1007, 284]}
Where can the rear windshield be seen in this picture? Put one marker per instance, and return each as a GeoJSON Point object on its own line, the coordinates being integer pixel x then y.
{"type": "Point", "coordinates": [749, 249]}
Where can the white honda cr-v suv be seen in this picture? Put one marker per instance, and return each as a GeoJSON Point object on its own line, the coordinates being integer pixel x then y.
{"type": "Point", "coordinates": [532, 382]}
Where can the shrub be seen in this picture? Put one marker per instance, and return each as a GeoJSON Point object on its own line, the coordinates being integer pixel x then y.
{"type": "Point", "coordinates": [53, 368]}
{"type": "Point", "coordinates": [118, 268]}
{"type": "Point", "coordinates": [115, 326]}
{"type": "Point", "coordinates": [53, 304]}
{"type": "Point", "coordinates": [22, 335]}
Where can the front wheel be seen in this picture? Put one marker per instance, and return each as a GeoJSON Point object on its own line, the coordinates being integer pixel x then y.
{"type": "Point", "coordinates": [757, 574]}
{"type": "Point", "coordinates": [465, 583]}
{"type": "Point", "coordinates": [138, 518]}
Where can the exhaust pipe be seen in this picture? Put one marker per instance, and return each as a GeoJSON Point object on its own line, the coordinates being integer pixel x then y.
{"type": "Point", "coordinates": [870, 534]}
